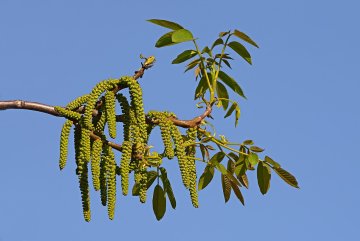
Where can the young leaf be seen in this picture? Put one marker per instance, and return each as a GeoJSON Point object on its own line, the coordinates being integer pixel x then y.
{"type": "Point", "coordinates": [263, 176]}
{"type": "Point", "coordinates": [206, 50]}
{"type": "Point", "coordinates": [244, 37]}
{"type": "Point", "coordinates": [226, 186]}
{"type": "Point", "coordinates": [166, 24]}
{"type": "Point", "coordinates": [181, 35]}
{"type": "Point", "coordinates": [287, 177]}
{"type": "Point", "coordinates": [201, 88]}
{"type": "Point", "coordinates": [222, 93]}
{"type": "Point", "coordinates": [192, 64]}
{"type": "Point", "coordinates": [229, 81]}
{"type": "Point", "coordinates": [167, 187]}
{"type": "Point", "coordinates": [256, 149]}
{"type": "Point", "coordinates": [240, 169]}
{"type": "Point", "coordinates": [217, 158]}
{"type": "Point", "coordinates": [204, 152]}
{"type": "Point", "coordinates": [222, 34]}
{"type": "Point", "coordinates": [244, 180]}
{"type": "Point", "coordinates": [165, 40]}
{"type": "Point", "coordinates": [248, 142]}
{"type": "Point", "coordinates": [206, 177]}
{"type": "Point", "coordinates": [216, 43]}
{"type": "Point", "coordinates": [238, 193]}
{"type": "Point", "coordinates": [186, 55]}
{"type": "Point", "coordinates": [159, 202]}
{"type": "Point", "coordinates": [227, 63]}
{"type": "Point", "coordinates": [253, 159]}
{"type": "Point", "coordinates": [271, 162]}
{"type": "Point", "coordinates": [240, 50]}
{"type": "Point", "coordinates": [221, 168]}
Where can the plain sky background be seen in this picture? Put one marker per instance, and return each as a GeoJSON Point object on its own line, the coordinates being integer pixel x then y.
{"type": "Point", "coordinates": [303, 107]}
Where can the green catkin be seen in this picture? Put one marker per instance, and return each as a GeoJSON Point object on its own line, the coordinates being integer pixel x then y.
{"type": "Point", "coordinates": [100, 123]}
{"type": "Point", "coordinates": [84, 149]}
{"type": "Point", "coordinates": [110, 113]}
{"type": "Point", "coordinates": [77, 137]}
{"type": "Point", "coordinates": [125, 108]}
{"type": "Point", "coordinates": [180, 154]}
{"type": "Point", "coordinates": [69, 114]}
{"type": "Point", "coordinates": [94, 96]}
{"type": "Point", "coordinates": [78, 102]}
{"type": "Point", "coordinates": [95, 163]}
{"type": "Point", "coordinates": [84, 189]}
{"type": "Point", "coordinates": [190, 152]}
{"type": "Point", "coordinates": [64, 142]}
{"type": "Point", "coordinates": [137, 103]}
{"type": "Point", "coordinates": [142, 182]}
{"type": "Point", "coordinates": [124, 166]}
{"type": "Point", "coordinates": [103, 184]}
{"type": "Point", "coordinates": [110, 167]}
{"type": "Point", "coordinates": [165, 126]}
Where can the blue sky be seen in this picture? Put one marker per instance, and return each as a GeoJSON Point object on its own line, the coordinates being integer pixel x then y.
{"type": "Point", "coordinates": [302, 92]}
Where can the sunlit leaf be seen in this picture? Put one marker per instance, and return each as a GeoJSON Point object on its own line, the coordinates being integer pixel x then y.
{"type": "Point", "coordinates": [263, 176]}
{"type": "Point", "coordinates": [181, 35]}
{"type": "Point", "coordinates": [165, 40]}
{"type": "Point", "coordinates": [221, 168]}
{"type": "Point", "coordinates": [238, 193]}
{"type": "Point", "coordinates": [240, 169]}
{"type": "Point", "coordinates": [256, 149]}
{"type": "Point", "coordinates": [192, 64]}
{"type": "Point", "coordinates": [167, 187]}
{"type": "Point", "coordinates": [159, 202]}
{"type": "Point", "coordinates": [253, 159]}
{"type": "Point", "coordinates": [272, 162]}
{"type": "Point", "coordinates": [217, 158]}
{"type": "Point", "coordinates": [226, 186]}
{"type": "Point", "coordinates": [217, 42]}
{"type": "Point", "coordinates": [244, 37]}
{"type": "Point", "coordinates": [240, 50]}
{"type": "Point", "coordinates": [222, 34]}
{"type": "Point", "coordinates": [230, 166]}
{"type": "Point", "coordinates": [206, 50]}
{"type": "Point", "coordinates": [222, 93]}
{"type": "Point", "coordinates": [166, 24]}
{"type": "Point", "coordinates": [229, 81]}
{"type": "Point", "coordinates": [206, 177]}
{"type": "Point", "coordinates": [287, 177]}
{"type": "Point", "coordinates": [186, 55]}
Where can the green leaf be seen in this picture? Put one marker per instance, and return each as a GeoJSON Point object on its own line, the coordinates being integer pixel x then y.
{"type": "Point", "coordinates": [227, 63]}
{"type": "Point", "coordinates": [253, 159]}
{"type": "Point", "coordinates": [151, 176]}
{"type": "Point", "coordinates": [287, 177]}
{"type": "Point", "coordinates": [244, 37]}
{"type": "Point", "coordinates": [217, 158]}
{"type": "Point", "coordinates": [217, 42]}
{"type": "Point", "coordinates": [256, 149]}
{"type": "Point", "coordinates": [159, 202]}
{"type": "Point", "coordinates": [165, 40]}
{"type": "Point", "coordinates": [222, 34]}
{"type": "Point", "coordinates": [244, 180]}
{"type": "Point", "coordinates": [222, 93]}
{"type": "Point", "coordinates": [238, 193]}
{"type": "Point", "coordinates": [272, 162]}
{"type": "Point", "coordinates": [204, 152]}
{"type": "Point", "coordinates": [230, 110]}
{"type": "Point", "coordinates": [206, 50]}
{"type": "Point", "coordinates": [240, 50]}
{"type": "Point", "coordinates": [221, 168]}
{"type": "Point", "coordinates": [229, 81]}
{"type": "Point", "coordinates": [167, 187]}
{"type": "Point", "coordinates": [165, 23]}
{"type": "Point", "coordinates": [248, 142]}
{"type": "Point", "coordinates": [263, 176]}
{"type": "Point", "coordinates": [192, 64]}
{"type": "Point", "coordinates": [230, 166]}
{"type": "Point", "coordinates": [181, 35]}
{"type": "Point", "coordinates": [226, 185]}
{"type": "Point", "coordinates": [206, 177]}
{"type": "Point", "coordinates": [186, 55]}
{"type": "Point", "coordinates": [240, 169]}
{"type": "Point", "coordinates": [201, 88]}
{"type": "Point", "coordinates": [233, 156]}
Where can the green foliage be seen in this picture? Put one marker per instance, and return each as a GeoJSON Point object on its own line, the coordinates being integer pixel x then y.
{"type": "Point", "coordinates": [137, 158]}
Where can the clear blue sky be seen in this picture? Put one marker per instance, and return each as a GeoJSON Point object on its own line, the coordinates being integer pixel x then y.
{"type": "Point", "coordinates": [303, 107]}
